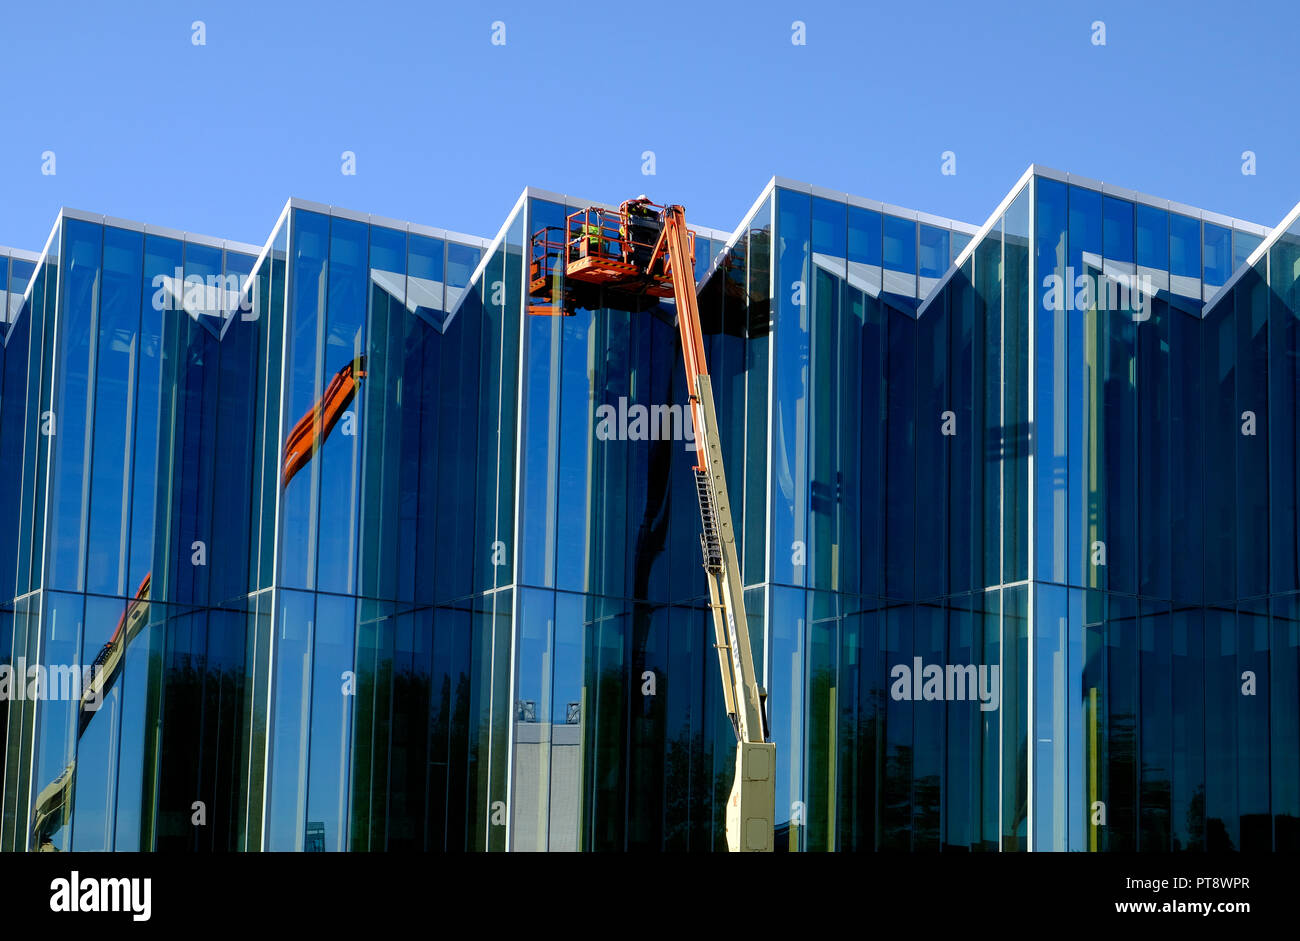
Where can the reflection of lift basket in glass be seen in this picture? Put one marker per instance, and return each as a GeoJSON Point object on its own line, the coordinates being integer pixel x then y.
{"type": "Point", "coordinates": [626, 259]}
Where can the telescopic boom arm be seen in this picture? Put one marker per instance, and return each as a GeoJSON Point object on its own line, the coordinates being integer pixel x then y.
{"type": "Point", "coordinates": [750, 810]}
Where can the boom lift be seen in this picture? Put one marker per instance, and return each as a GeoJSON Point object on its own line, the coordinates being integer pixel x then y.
{"type": "Point", "coordinates": [624, 259]}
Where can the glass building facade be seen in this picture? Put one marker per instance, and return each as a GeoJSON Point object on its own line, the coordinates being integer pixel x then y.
{"type": "Point", "coordinates": [1134, 507]}
{"type": "Point", "coordinates": [376, 560]}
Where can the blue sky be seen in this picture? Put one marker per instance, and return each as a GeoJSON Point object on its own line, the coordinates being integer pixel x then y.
{"type": "Point", "coordinates": [447, 127]}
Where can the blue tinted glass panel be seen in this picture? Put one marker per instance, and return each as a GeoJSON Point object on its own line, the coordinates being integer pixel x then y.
{"type": "Point", "coordinates": [1152, 237]}
{"type": "Point", "coordinates": [461, 262]}
{"type": "Point", "coordinates": [959, 242]}
{"type": "Point", "coordinates": [790, 391]}
{"type": "Point", "coordinates": [202, 259]}
{"type": "Point", "coordinates": [934, 251]}
{"type": "Point", "coordinates": [1051, 649]}
{"type": "Point", "coordinates": [864, 236]}
{"type": "Point", "coordinates": [303, 387]}
{"type": "Point", "coordinates": [1243, 243]}
{"type": "Point", "coordinates": [1085, 221]}
{"type": "Point", "coordinates": [79, 296]}
{"type": "Point", "coordinates": [327, 780]}
{"type": "Point", "coordinates": [1084, 243]}
{"type": "Point", "coordinates": [387, 249]}
{"type": "Point", "coordinates": [162, 257]}
{"type": "Point", "coordinates": [425, 276]}
{"type": "Point", "coordinates": [1184, 246]}
{"type": "Point", "coordinates": [1218, 254]}
{"type": "Point", "coordinates": [1052, 372]}
{"type": "Point", "coordinates": [828, 220]}
{"type": "Point", "coordinates": [900, 244]}
{"type": "Point", "coordinates": [426, 257]}
{"type": "Point", "coordinates": [287, 792]}
{"type": "Point", "coordinates": [1117, 229]}
{"type": "Point", "coordinates": [117, 363]}
{"type": "Point", "coordinates": [347, 278]}
{"type": "Point", "coordinates": [239, 263]}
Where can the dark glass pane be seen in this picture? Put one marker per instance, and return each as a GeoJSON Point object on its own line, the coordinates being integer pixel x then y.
{"type": "Point", "coordinates": [1016, 431]}
{"type": "Point", "coordinates": [1155, 733]}
{"type": "Point", "coordinates": [1052, 371]}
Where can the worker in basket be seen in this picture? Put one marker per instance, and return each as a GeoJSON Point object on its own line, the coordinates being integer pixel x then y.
{"type": "Point", "coordinates": [589, 241]}
{"type": "Point", "coordinates": [639, 231]}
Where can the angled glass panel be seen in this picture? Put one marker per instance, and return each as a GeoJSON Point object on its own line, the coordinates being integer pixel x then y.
{"type": "Point", "coordinates": [302, 419]}
{"type": "Point", "coordinates": [461, 261]}
{"type": "Point", "coordinates": [1152, 237]}
{"type": "Point", "coordinates": [864, 236]}
{"type": "Point", "coordinates": [900, 256]}
{"type": "Point", "coordinates": [81, 280]}
{"type": "Point", "coordinates": [425, 284]}
{"type": "Point", "coordinates": [1184, 255]}
{"type": "Point", "coordinates": [343, 369]}
{"type": "Point", "coordinates": [1117, 229]}
{"type": "Point", "coordinates": [789, 434]}
{"type": "Point", "coordinates": [933, 251]}
{"type": "Point", "coordinates": [1218, 255]}
{"type": "Point", "coordinates": [117, 364]}
{"type": "Point", "coordinates": [1243, 243]}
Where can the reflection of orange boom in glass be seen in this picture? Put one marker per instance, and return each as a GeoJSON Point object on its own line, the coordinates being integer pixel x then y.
{"type": "Point", "coordinates": [53, 804]}
{"type": "Point", "coordinates": [108, 664]}
{"type": "Point", "coordinates": [303, 440]}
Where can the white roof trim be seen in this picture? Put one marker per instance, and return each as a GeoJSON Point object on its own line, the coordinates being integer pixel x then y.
{"type": "Point", "coordinates": [978, 237]}
{"type": "Point", "coordinates": [21, 254]}
{"type": "Point", "coordinates": [386, 222]}
{"type": "Point", "coordinates": [862, 202]}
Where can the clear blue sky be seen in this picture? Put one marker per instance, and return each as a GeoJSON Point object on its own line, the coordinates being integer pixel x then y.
{"type": "Point", "coordinates": [447, 127]}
